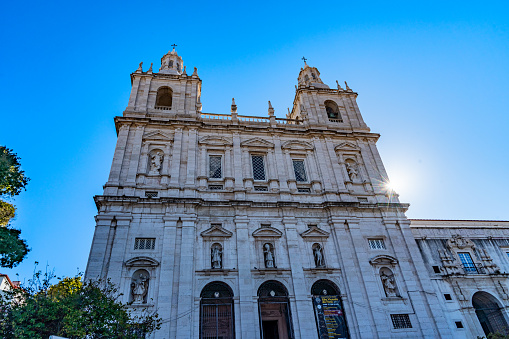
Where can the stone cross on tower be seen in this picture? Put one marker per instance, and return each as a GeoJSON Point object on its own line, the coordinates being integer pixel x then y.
{"type": "Point", "coordinates": [303, 58]}
{"type": "Point", "coordinates": [173, 46]}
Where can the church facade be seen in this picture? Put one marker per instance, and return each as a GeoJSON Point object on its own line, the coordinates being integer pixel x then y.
{"type": "Point", "coordinates": [233, 226]}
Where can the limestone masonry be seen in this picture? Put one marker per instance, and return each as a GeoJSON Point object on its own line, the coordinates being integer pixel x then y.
{"type": "Point", "coordinates": [234, 226]}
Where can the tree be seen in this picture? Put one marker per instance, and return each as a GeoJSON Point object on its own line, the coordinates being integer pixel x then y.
{"type": "Point", "coordinates": [71, 308]}
{"type": "Point", "coordinates": [12, 181]}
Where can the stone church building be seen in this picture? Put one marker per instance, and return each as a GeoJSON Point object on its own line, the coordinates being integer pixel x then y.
{"type": "Point", "coordinates": [233, 226]}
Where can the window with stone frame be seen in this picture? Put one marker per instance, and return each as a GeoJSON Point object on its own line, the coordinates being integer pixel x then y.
{"type": "Point", "coordinates": [468, 263]}
{"type": "Point", "coordinates": [258, 163]}
{"type": "Point", "coordinates": [164, 97]}
{"type": "Point", "coordinates": [215, 167]}
{"type": "Point", "coordinates": [144, 243]}
{"type": "Point", "coordinates": [401, 321]}
{"type": "Point", "coordinates": [376, 244]}
{"type": "Point", "coordinates": [299, 170]}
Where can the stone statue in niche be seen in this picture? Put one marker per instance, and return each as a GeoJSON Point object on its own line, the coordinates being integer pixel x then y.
{"type": "Point", "coordinates": [155, 163]}
{"type": "Point", "coordinates": [269, 256]}
{"type": "Point", "coordinates": [216, 256]}
{"type": "Point", "coordinates": [318, 254]}
{"type": "Point", "coordinates": [389, 284]}
{"type": "Point", "coordinates": [139, 289]}
{"type": "Point", "coordinates": [352, 171]}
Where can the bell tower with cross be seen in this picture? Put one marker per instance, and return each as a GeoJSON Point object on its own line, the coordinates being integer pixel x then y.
{"type": "Point", "coordinates": [317, 104]}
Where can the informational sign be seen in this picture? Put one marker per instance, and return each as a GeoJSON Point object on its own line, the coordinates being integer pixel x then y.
{"type": "Point", "coordinates": [330, 317]}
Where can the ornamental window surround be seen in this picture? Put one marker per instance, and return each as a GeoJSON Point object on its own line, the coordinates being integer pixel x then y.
{"type": "Point", "coordinates": [300, 170]}
{"type": "Point", "coordinates": [258, 165]}
{"type": "Point", "coordinates": [215, 166]}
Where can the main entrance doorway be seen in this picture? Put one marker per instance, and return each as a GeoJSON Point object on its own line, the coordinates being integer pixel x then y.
{"type": "Point", "coordinates": [329, 314]}
{"type": "Point", "coordinates": [216, 312]}
{"type": "Point", "coordinates": [274, 309]}
{"type": "Point", "coordinates": [489, 313]}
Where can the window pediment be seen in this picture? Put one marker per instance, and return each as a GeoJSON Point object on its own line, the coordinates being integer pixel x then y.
{"type": "Point", "coordinates": [267, 232]}
{"type": "Point", "coordinates": [215, 141]}
{"type": "Point", "coordinates": [142, 262]}
{"type": "Point", "coordinates": [314, 233]}
{"type": "Point", "coordinates": [216, 232]}
{"type": "Point", "coordinates": [347, 146]}
{"type": "Point", "coordinates": [257, 142]}
{"type": "Point", "coordinates": [158, 136]}
{"type": "Point", "coordinates": [297, 145]}
{"type": "Point", "coordinates": [459, 242]}
{"type": "Point", "coordinates": [383, 260]}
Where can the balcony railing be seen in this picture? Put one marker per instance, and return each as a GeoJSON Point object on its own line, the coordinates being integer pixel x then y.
{"type": "Point", "coordinates": [163, 108]}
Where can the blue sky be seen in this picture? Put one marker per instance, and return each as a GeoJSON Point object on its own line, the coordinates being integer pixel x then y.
{"type": "Point", "coordinates": [432, 79]}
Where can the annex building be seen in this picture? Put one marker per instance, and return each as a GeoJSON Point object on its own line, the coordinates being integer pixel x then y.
{"type": "Point", "coordinates": [233, 226]}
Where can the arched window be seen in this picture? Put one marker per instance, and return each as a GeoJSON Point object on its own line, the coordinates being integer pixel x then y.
{"type": "Point", "coordinates": [164, 97]}
{"type": "Point", "coordinates": [332, 110]}
{"type": "Point", "coordinates": [489, 313]}
{"type": "Point", "coordinates": [171, 63]}
{"type": "Point", "coordinates": [389, 282]}
{"type": "Point", "coordinates": [216, 311]}
{"type": "Point", "coordinates": [274, 309]}
{"type": "Point", "coordinates": [268, 255]}
{"type": "Point", "coordinates": [318, 255]}
{"type": "Point", "coordinates": [216, 256]}
{"type": "Point", "coordinates": [139, 287]}
{"type": "Point", "coordinates": [326, 298]}
{"type": "Point", "coordinates": [306, 77]}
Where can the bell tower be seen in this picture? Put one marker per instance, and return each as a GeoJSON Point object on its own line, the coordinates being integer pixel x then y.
{"type": "Point", "coordinates": [169, 92]}
{"type": "Point", "coordinates": [318, 105]}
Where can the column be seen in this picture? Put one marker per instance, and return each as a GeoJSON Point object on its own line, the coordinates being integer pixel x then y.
{"type": "Point", "coordinates": [281, 168]}
{"type": "Point", "coordinates": [99, 249]}
{"type": "Point", "coordinates": [322, 164]}
{"type": "Point", "coordinates": [175, 161]}
{"type": "Point", "coordinates": [336, 169]}
{"type": "Point", "coordinates": [237, 162]}
{"type": "Point", "coordinates": [166, 274]}
{"type": "Point", "coordinates": [134, 93]}
{"type": "Point", "coordinates": [143, 100]}
{"type": "Point", "coordinates": [118, 157]}
{"type": "Point", "coordinates": [247, 307]}
{"type": "Point", "coordinates": [303, 327]}
{"type": "Point", "coordinates": [191, 158]}
{"type": "Point", "coordinates": [135, 155]}
{"type": "Point", "coordinates": [118, 250]}
{"type": "Point", "coordinates": [186, 281]}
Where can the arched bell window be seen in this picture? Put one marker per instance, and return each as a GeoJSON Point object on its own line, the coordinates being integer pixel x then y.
{"type": "Point", "coordinates": [216, 311]}
{"type": "Point", "coordinates": [329, 313]}
{"type": "Point", "coordinates": [164, 97]}
{"type": "Point", "coordinates": [489, 313]}
{"type": "Point", "coordinates": [274, 308]}
{"type": "Point", "coordinates": [332, 110]}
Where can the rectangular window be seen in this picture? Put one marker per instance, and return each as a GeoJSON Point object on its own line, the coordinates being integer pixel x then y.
{"type": "Point", "coordinates": [303, 190]}
{"type": "Point", "coordinates": [436, 269]}
{"type": "Point", "coordinates": [401, 321]}
{"type": "Point", "coordinates": [300, 171]}
{"type": "Point", "coordinates": [151, 194]}
{"type": "Point", "coordinates": [468, 263]}
{"type": "Point", "coordinates": [258, 167]}
{"type": "Point", "coordinates": [261, 189]}
{"type": "Point", "coordinates": [458, 324]}
{"type": "Point", "coordinates": [215, 187]}
{"type": "Point", "coordinates": [376, 244]}
{"type": "Point", "coordinates": [144, 243]}
{"type": "Point", "coordinates": [215, 171]}
{"type": "Point", "coordinates": [447, 296]}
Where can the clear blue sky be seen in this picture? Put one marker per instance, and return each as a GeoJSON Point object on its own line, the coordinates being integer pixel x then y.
{"type": "Point", "coordinates": [432, 78]}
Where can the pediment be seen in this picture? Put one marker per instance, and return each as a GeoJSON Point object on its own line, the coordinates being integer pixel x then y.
{"type": "Point", "coordinates": [267, 232]}
{"type": "Point", "coordinates": [142, 262]}
{"type": "Point", "coordinates": [460, 242]}
{"type": "Point", "coordinates": [215, 141]}
{"type": "Point", "coordinates": [257, 142]}
{"type": "Point", "coordinates": [383, 260]}
{"type": "Point", "coordinates": [347, 146]}
{"type": "Point", "coordinates": [216, 231]}
{"type": "Point", "coordinates": [297, 145]}
{"type": "Point", "coordinates": [314, 233]}
{"type": "Point", "coordinates": [157, 135]}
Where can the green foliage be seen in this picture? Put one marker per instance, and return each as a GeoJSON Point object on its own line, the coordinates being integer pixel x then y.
{"type": "Point", "coordinates": [12, 178]}
{"type": "Point", "coordinates": [73, 309]}
{"type": "Point", "coordinates": [7, 212]}
{"type": "Point", "coordinates": [12, 249]}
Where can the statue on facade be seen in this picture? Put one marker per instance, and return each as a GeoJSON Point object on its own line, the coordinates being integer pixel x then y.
{"type": "Point", "coordinates": [317, 253]}
{"type": "Point", "coordinates": [155, 163]}
{"type": "Point", "coordinates": [352, 171]}
{"type": "Point", "coordinates": [139, 289]}
{"type": "Point", "coordinates": [269, 257]}
{"type": "Point", "coordinates": [389, 284]}
{"type": "Point", "coordinates": [216, 257]}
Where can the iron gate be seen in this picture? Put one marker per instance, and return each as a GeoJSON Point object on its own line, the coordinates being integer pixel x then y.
{"type": "Point", "coordinates": [216, 321]}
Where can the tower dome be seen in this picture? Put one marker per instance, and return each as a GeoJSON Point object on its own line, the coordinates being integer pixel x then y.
{"type": "Point", "coordinates": [310, 77]}
{"type": "Point", "coordinates": [171, 63]}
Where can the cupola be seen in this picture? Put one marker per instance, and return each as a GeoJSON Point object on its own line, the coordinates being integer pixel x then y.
{"type": "Point", "coordinates": [171, 63]}
{"type": "Point", "coordinates": [310, 77]}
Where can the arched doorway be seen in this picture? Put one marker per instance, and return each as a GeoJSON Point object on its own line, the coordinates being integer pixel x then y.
{"type": "Point", "coordinates": [216, 311]}
{"type": "Point", "coordinates": [274, 309]}
{"type": "Point", "coordinates": [329, 314]}
{"type": "Point", "coordinates": [489, 313]}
